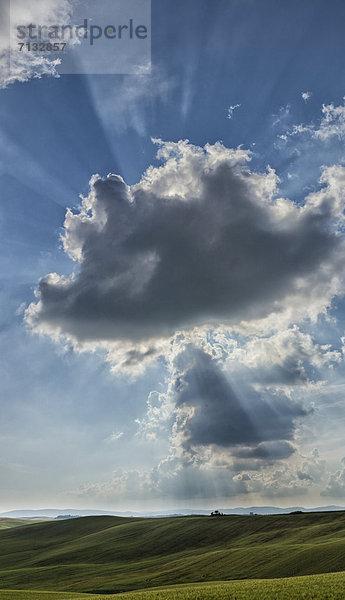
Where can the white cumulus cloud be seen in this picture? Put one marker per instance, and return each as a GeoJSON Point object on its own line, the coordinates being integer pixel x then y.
{"type": "Point", "coordinates": [16, 65]}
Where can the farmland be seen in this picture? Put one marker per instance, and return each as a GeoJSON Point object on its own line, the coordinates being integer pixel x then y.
{"type": "Point", "coordinates": [267, 556]}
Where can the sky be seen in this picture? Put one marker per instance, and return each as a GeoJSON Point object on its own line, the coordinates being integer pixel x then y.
{"type": "Point", "coordinates": [172, 262]}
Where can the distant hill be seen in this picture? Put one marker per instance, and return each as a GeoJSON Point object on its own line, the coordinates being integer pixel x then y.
{"type": "Point", "coordinates": [53, 513]}
{"type": "Point", "coordinates": [9, 523]}
{"type": "Point", "coordinates": [240, 510]}
{"type": "Point", "coordinates": [114, 554]}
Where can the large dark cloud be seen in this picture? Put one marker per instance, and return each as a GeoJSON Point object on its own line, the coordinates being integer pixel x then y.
{"type": "Point", "coordinates": [224, 442]}
{"type": "Point", "coordinates": [211, 413]}
{"type": "Point", "coordinates": [198, 240]}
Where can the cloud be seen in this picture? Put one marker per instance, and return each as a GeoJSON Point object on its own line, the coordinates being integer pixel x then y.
{"type": "Point", "coordinates": [209, 412]}
{"type": "Point", "coordinates": [22, 66]}
{"type": "Point", "coordinates": [225, 438]}
{"type": "Point", "coordinates": [231, 110]}
{"type": "Point", "coordinates": [336, 483]}
{"type": "Point", "coordinates": [200, 239]}
{"type": "Point", "coordinates": [304, 476]}
{"type": "Point", "coordinates": [330, 126]}
{"type": "Point", "coordinates": [306, 96]}
{"type": "Point", "coordinates": [332, 122]}
{"type": "Point", "coordinates": [114, 436]}
{"type": "Point", "coordinates": [286, 357]}
{"type": "Point", "coordinates": [268, 451]}
{"type": "Point", "coordinates": [204, 263]}
{"type": "Point", "coordinates": [282, 116]}
{"type": "Point", "coordinates": [213, 422]}
{"type": "Point", "coordinates": [165, 483]}
{"type": "Point", "coordinates": [178, 482]}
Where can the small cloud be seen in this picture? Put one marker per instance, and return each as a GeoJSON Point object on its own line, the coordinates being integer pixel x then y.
{"type": "Point", "coordinates": [231, 110]}
{"type": "Point", "coordinates": [21, 309]}
{"type": "Point", "coordinates": [282, 116]}
{"type": "Point", "coordinates": [114, 436]}
{"type": "Point", "coordinates": [306, 96]}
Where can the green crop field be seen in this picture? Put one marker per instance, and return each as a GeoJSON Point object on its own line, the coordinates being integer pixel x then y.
{"type": "Point", "coordinates": [312, 587]}
{"type": "Point", "coordinates": [114, 555]}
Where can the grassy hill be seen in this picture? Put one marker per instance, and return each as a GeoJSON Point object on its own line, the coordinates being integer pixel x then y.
{"type": "Point", "coordinates": [114, 554]}
{"type": "Point", "coordinates": [9, 523]}
{"type": "Point", "coordinates": [311, 587]}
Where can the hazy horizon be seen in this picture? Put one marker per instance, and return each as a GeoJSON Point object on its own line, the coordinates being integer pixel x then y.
{"type": "Point", "coordinates": [53, 511]}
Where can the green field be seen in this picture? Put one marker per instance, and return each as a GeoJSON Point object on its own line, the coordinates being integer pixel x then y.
{"type": "Point", "coordinates": [312, 587]}
{"type": "Point", "coordinates": [114, 555]}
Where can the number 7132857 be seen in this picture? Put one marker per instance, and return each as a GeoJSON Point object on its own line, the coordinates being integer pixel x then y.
{"type": "Point", "coordinates": [41, 46]}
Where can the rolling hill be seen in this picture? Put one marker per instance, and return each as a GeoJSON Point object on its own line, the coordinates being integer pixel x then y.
{"type": "Point", "coordinates": [9, 523]}
{"type": "Point", "coordinates": [113, 554]}
{"type": "Point", "coordinates": [311, 587]}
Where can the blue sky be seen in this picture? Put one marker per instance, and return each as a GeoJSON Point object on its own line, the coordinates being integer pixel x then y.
{"type": "Point", "coordinates": [94, 413]}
